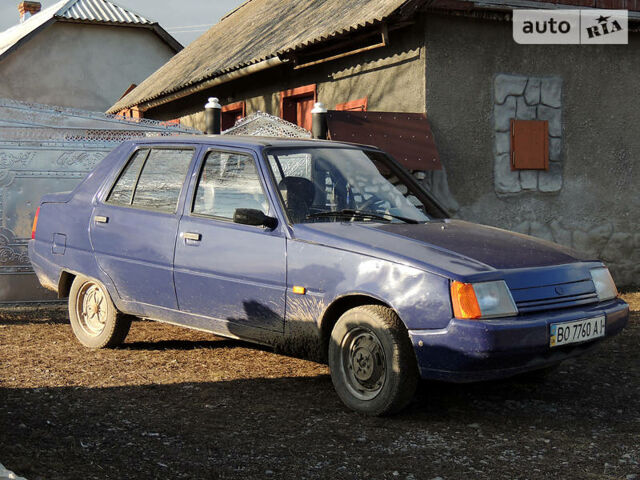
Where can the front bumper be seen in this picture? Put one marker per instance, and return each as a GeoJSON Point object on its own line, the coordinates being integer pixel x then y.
{"type": "Point", "coordinates": [470, 350]}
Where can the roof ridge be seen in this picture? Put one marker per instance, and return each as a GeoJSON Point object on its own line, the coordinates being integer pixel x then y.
{"type": "Point", "coordinates": [65, 7]}
{"type": "Point", "coordinates": [130, 11]}
{"type": "Point", "coordinates": [100, 10]}
{"type": "Point", "coordinates": [235, 10]}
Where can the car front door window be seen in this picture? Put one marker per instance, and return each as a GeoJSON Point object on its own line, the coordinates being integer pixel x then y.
{"type": "Point", "coordinates": [228, 181]}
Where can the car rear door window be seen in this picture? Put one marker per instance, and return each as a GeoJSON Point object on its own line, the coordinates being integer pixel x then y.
{"type": "Point", "coordinates": [152, 179]}
{"type": "Point", "coordinates": [162, 178]}
{"type": "Point", "coordinates": [228, 181]}
{"type": "Point", "coordinates": [122, 191]}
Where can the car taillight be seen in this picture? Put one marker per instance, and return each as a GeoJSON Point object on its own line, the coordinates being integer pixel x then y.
{"type": "Point", "coordinates": [35, 223]}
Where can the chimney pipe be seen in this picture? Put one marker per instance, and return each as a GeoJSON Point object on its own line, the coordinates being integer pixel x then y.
{"type": "Point", "coordinates": [213, 116]}
{"type": "Point", "coordinates": [27, 9]}
{"type": "Point", "coordinates": [319, 121]}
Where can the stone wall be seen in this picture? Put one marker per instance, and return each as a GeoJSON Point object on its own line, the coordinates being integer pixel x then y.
{"type": "Point", "coordinates": [527, 98]}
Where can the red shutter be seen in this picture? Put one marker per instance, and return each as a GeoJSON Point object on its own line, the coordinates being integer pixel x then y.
{"type": "Point", "coordinates": [296, 105]}
{"type": "Point", "coordinates": [359, 105]}
{"type": "Point", "coordinates": [529, 145]}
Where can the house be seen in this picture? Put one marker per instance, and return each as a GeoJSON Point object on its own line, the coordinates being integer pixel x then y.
{"type": "Point", "coordinates": [534, 138]}
{"type": "Point", "coordinates": [79, 53]}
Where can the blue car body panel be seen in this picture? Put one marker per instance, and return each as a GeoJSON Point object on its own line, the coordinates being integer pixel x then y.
{"type": "Point", "coordinates": [236, 280]}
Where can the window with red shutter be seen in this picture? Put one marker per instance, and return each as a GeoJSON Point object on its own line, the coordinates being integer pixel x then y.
{"type": "Point", "coordinates": [529, 144]}
{"type": "Point", "coordinates": [232, 113]}
{"type": "Point", "coordinates": [296, 105]}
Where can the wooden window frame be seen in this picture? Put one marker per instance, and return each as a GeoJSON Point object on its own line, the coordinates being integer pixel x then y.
{"type": "Point", "coordinates": [529, 145]}
{"type": "Point", "coordinates": [235, 107]}
{"type": "Point", "coordinates": [350, 105]}
{"type": "Point", "coordinates": [303, 91]}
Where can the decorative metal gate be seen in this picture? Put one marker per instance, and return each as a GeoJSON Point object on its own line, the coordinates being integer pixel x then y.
{"type": "Point", "coordinates": [48, 149]}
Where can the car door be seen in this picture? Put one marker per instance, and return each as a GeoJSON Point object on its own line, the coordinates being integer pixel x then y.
{"type": "Point", "coordinates": [133, 230]}
{"type": "Point", "coordinates": [233, 273]}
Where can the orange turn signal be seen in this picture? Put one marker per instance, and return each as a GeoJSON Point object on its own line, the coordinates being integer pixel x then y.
{"type": "Point", "coordinates": [464, 301]}
{"type": "Point", "coordinates": [35, 224]}
{"type": "Point", "coordinates": [299, 290]}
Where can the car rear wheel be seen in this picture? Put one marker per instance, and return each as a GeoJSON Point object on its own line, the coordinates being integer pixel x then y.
{"type": "Point", "coordinates": [94, 318]}
{"type": "Point", "coordinates": [372, 363]}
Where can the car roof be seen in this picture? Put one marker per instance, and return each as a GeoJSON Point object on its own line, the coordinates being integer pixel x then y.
{"type": "Point", "coordinates": [244, 141]}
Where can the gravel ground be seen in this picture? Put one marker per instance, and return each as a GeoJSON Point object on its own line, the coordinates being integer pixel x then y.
{"type": "Point", "coordinates": [176, 403]}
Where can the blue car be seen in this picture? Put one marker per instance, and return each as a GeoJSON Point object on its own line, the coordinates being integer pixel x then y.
{"type": "Point", "coordinates": [328, 250]}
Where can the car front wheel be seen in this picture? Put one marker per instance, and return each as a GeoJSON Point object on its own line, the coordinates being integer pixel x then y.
{"type": "Point", "coordinates": [94, 318]}
{"type": "Point", "coordinates": [372, 363]}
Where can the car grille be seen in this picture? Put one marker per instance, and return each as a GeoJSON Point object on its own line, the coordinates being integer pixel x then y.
{"type": "Point", "coordinates": [549, 297]}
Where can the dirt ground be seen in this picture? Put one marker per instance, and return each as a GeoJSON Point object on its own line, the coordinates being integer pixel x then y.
{"type": "Point", "coordinates": [176, 403]}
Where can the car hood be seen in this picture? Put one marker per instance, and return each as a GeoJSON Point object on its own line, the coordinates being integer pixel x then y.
{"type": "Point", "coordinates": [449, 246]}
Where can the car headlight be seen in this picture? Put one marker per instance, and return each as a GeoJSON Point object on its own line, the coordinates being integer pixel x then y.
{"type": "Point", "coordinates": [482, 300]}
{"type": "Point", "coordinates": [605, 286]}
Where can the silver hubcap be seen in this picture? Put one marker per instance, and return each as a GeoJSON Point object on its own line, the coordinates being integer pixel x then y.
{"type": "Point", "coordinates": [363, 362]}
{"type": "Point", "coordinates": [91, 309]}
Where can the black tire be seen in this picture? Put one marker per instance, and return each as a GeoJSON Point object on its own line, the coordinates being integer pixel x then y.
{"type": "Point", "coordinates": [373, 366]}
{"type": "Point", "coordinates": [94, 318]}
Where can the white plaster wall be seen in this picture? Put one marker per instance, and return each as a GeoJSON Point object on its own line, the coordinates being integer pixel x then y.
{"type": "Point", "coordinates": [81, 66]}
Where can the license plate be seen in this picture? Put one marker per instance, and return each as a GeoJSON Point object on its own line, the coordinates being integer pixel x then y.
{"type": "Point", "coordinates": [578, 331]}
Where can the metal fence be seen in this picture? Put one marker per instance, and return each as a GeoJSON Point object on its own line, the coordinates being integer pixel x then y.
{"type": "Point", "coordinates": [48, 149]}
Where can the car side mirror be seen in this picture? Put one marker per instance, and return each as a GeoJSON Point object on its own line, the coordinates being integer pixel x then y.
{"type": "Point", "coordinates": [252, 216]}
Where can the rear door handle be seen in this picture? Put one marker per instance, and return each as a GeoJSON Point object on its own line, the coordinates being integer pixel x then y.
{"type": "Point", "coordinates": [101, 219]}
{"type": "Point", "coordinates": [191, 236]}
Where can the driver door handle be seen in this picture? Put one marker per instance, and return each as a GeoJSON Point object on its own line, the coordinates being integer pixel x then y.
{"type": "Point", "coordinates": [191, 236]}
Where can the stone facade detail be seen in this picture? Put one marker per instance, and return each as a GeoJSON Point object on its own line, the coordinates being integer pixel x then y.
{"type": "Point", "coordinates": [526, 98]}
{"type": "Point", "coordinates": [618, 249]}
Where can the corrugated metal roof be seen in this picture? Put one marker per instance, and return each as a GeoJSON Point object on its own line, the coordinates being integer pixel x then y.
{"type": "Point", "coordinates": [100, 11]}
{"type": "Point", "coordinates": [256, 31]}
{"type": "Point", "coordinates": [93, 11]}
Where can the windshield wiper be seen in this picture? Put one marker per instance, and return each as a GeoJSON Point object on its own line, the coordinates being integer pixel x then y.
{"type": "Point", "coordinates": [349, 212]}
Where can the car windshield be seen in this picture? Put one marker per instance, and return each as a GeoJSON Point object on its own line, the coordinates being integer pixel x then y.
{"type": "Point", "coordinates": [343, 184]}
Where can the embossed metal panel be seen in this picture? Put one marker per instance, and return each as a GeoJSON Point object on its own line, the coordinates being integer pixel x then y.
{"type": "Point", "coordinates": [46, 149]}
